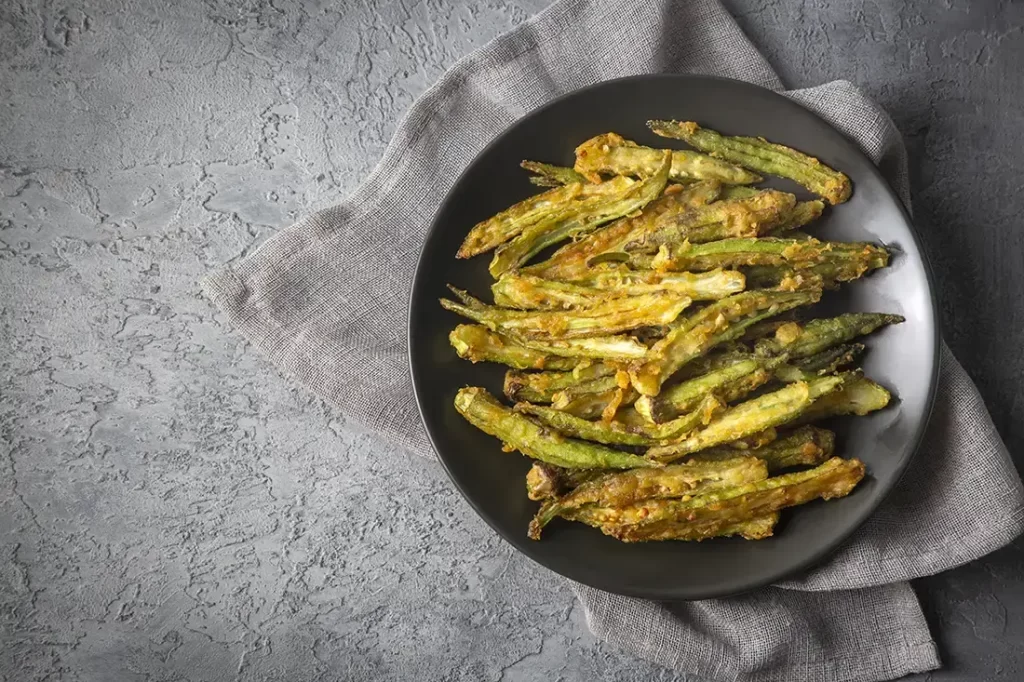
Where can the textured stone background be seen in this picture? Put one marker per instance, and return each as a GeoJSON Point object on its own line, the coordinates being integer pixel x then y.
{"type": "Point", "coordinates": [172, 509]}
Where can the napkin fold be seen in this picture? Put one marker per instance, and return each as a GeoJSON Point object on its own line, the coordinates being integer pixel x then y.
{"type": "Point", "coordinates": [326, 301]}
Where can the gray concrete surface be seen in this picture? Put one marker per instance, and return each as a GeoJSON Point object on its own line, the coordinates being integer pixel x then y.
{"type": "Point", "coordinates": [172, 509]}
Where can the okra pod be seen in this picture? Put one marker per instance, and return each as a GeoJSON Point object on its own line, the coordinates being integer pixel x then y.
{"type": "Point", "coordinates": [540, 387]}
{"type": "Point", "coordinates": [786, 254]}
{"type": "Point", "coordinates": [703, 286]}
{"type": "Point", "coordinates": [831, 360]}
{"type": "Point", "coordinates": [616, 432]}
{"type": "Point", "coordinates": [611, 153]}
{"type": "Point", "coordinates": [834, 478]}
{"type": "Point", "coordinates": [536, 237]}
{"type": "Point", "coordinates": [761, 156]}
{"type": "Point", "coordinates": [630, 487]}
{"type": "Point", "coordinates": [766, 411]}
{"type": "Point", "coordinates": [821, 334]}
{"type": "Point", "coordinates": [830, 271]}
{"type": "Point", "coordinates": [477, 343]}
{"type": "Point", "coordinates": [722, 356]}
{"type": "Point", "coordinates": [806, 445]}
{"type": "Point", "coordinates": [528, 292]}
{"type": "Point", "coordinates": [826, 362]}
{"type": "Point", "coordinates": [736, 218]}
{"type": "Point", "coordinates": [533, 440]}
{"type": "Point", "coordinates": [756, 528]}
{"type": "Point", "coordinates": [858, 395]}
{"type": "Point", "coordinates": [717, 323]}
{"type": "Point", "coordinates": [601, 319]}
{"type": "Point", "coordinates": [804, 213]}
{"type": "Point", "coordinates": [729, 383]}
{"type": "Point", "coordinates": [618, 347]}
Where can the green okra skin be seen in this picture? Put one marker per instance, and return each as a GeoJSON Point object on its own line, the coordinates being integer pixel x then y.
{"type": "Point", "coordinates": [629, 487]}
{"type": "Point", "coordinates": [685, 394]}
{"type": "Point", "coordinates": [804, 213]}
{"type": "Point", "coordinates": [521, 433]}
{"type": "Point", "coordinates": [831, 360]}
{"type": "Point", "coordinates": [747, 418]}
{"type": "Point", "coordinates": [538, 236]}
{"type": "Point", "coordinates": [826, 362]}
{"type": "Point", "coordinates": [604, 318]}
{"type": "Point", "coordinates": [729, 383]}
{"type": "Point", "coordinates": [612, 154]}
{"type": "Point", "coordinates": [573, 261]}
{"type": "Point", "coordinates": [721, 356]}
{"type": "Point", "coordinates": [540, 387]}
{"type": "Point", "coordinates": [528, 292]}
{"type": "Point", "coordinates": [735, 218]}
{"type": "Point", "coordinates": [858, 396]}
{"type": "Point", "coordinates": [821, 334]}
{"type": "Point", "coordinates": [717, 323]}
{"type": "Point", "coordinates": [756, 332]}
{"type": "Point", "coordinates": [761, 156]}
{"type": "Point", "coordinates": [738, 192]}
{"type": "Point", "coordinates": [477, 343]}
{"type": "Point", "coordinates": [803, 446]}
{"type": "Point", "coordinates": [615, 432]}
{"type": "Point", "coordinates": [550, 175]}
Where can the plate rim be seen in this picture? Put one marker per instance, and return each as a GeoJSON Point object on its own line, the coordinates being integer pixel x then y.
{"type": "Point", "coordinates": [835, 542]}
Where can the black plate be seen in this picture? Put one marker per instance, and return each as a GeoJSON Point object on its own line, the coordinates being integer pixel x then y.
{"type": "Point", "coordinates": [903, 358]}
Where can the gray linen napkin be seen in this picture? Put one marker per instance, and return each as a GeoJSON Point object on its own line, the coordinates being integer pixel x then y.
{"type": "Point", "coordinates": [325, 300]}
